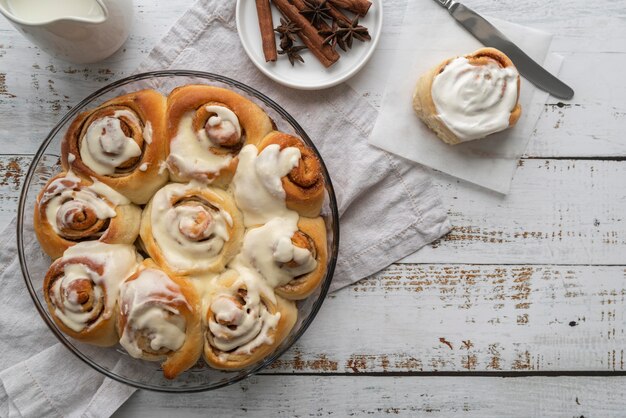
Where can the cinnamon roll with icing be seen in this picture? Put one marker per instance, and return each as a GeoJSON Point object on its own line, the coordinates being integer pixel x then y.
{"type": "Point", "coordinates": [191, 228]}
{"type": "Point", "coordinates": [121, 143]}
{"type": "Point", "coordinates": [304, 183]}
{"type": "Point", "coordinates": [159, 319]}
{"type": "Point", "coordinates": [470, 97]}
{"type": "Point", "coordinates": [207, 127]}
{"type": "Point", "coordinates": [290, 253]}
{"type": "Point", "coordinates": [70, 210]}
{"type": "Point", "coordinates": [244, 320]}
{"type": "Point", "coordinates": [81, 289]}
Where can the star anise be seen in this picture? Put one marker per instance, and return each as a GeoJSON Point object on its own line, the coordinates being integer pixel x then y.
{"type": "Point", "coordinates": [347, 32]}
{"type": "Point", "coordinates": [316, 11]}
{"type": "Point", "coordinates": [287, 29]}
{"type": "Point", "coordinates": [331, 35]}
{"type": "Point", "coordinates": [292, 53]}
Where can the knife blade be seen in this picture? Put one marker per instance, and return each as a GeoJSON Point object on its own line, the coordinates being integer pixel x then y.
{"type": "Point", "coordinates": [486, 33]}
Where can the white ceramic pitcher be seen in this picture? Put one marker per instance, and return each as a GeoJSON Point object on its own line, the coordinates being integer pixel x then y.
{"type": "Point", "coordinates": [79, 31]}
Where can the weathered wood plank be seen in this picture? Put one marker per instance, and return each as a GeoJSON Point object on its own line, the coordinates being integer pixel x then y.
{"type": "Point", "coordinates": [469, 318]}
{"type": "Point", "coordinates": [300, 396]}
{"type": "Point", "coordinates": [558, 212]}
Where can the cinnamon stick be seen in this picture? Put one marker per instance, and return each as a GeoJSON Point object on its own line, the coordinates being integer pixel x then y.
{"type": "Point", "coordinates": [337, 14]}
{"type": "Point", "coordinates": [359, 7]}
{"type": "Point", "coordinates": [308, 33]}
{"type": "Point", "coordinates": [266, 25]}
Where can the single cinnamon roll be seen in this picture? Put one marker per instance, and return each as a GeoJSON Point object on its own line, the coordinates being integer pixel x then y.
{"type": "Point", "coordinates": [191, 228]}
{"type": "Point", "coordinates": [207, 126]}
{"type": "Point", "coordinates": [81, 289]}
{"type": "Point", "coordinates": [470, 97]}
{"type": "Point", "coordinates": [244, 321]}
{"type": "Point", "coordinates": [289, 253]}
{"type": "Point", "coordinates": [304, 184]}
{"type": "Point", "coordinates": [70, 210]}
{"type": "Point", "coordinates": [121, 143]}
{"type": "Point", "coordinates": [159, 319]}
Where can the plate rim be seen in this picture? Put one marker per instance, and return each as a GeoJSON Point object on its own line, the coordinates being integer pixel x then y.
{"type": "Point", "coordinates": [319, 86]}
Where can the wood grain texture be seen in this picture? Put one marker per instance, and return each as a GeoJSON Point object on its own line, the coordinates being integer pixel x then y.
{"type": "Point", "coordinates": [299, 396]}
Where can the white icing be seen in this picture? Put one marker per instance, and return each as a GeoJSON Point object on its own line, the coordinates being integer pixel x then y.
{"type": "Point", "coordinates": [184, 245]}
{"type": "Point", "coordinates": [475, 100]}
{"type": "Point", "coordinates": [248, 325]}
{"type": "Point", "coordinates": [147, 133]}
{"type": "Point", "coordinates": [62, 200]}
{"type": "Point", "coordinates": [190, 151]}
{"type": "Point", "coordinates": [119, 261]}
{"type": "Point", "coordinates": [146, 302]}
{"type": "Point", "coordinates": [143, 167]}
{"type": "Point", "coordinates": [257, 182]}
{"type": "Point", "coordinates": [268, 247]}
{"type": "Point", "coordinates": [224, 123]}
{"type": "Point", "coordinates": [105, 146]}
{"type": "Point", "coordinates": [112, 195]}
{"type": "Point", "coordinates": [71, 158]}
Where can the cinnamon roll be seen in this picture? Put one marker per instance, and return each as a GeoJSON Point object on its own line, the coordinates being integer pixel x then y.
{"type": "Point", "coordinates": [70, 209]}
{"type": "Point", "coordinates": [81, 289]}
{"type": "Point", "coordinates": [191, 228]}
{"type": "Point", "coordinates": [207, 128]}
{"type": "Point", "coordinates": [290, 253]}
{"type": "Point", "coordinates": [159, 319]}
{"type": "Point", "coordinates": [121, 143]}
{"type": "Point", "coordinates": [244, 321]}
{"type": "Point", "coordinates": [304, 183]}
{"type": "Point", "coordinates": [470, 97]}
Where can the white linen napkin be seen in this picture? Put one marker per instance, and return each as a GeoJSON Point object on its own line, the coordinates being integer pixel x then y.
{"type": "Point", "coordinates": [431, 35]}
{"type": "Point", "coordinates": [388, 209]}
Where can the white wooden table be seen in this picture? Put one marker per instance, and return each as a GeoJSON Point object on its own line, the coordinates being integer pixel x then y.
{"type": "Point", "coordinates": [519, 310]}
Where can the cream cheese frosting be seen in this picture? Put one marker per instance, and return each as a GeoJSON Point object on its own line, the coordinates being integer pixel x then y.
{"type": "Point", "coordinates": [105, 146]}
{"type": "Point", "coordinates": [474, 101]}
{"type": "Point", "coordinates": [185, 242]}
{"type": "Point", "coordinates": [119, 261]}
{"type": "Point", "coordinates": [190, 151]}
{"type": "Point", "coordinates": [146, 301]}
{"type": "Point", "coordinates": [257, 183]}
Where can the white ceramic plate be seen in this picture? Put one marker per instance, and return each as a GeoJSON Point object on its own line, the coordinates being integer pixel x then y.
{"type": "Point", "coordinates": [310, 75]}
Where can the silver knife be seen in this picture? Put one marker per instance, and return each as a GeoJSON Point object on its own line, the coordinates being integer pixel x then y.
{"type": "Point", "coordinates": [486, 33]}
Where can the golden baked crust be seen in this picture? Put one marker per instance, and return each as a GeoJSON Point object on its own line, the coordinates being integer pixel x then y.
{"type": "Point", "coordinates": [254, 122]}
{"type": "Point", "coordinates": [195, 195]}
{"type": "Point", "coordinates": [123, 228]}
{"type": "Point", "coordinates": [139, 178]}
{"type": "Point", "coordinates": [423, 101]}
{"type": "Point", "coordinates": [237, 289]}
{"type": "Point", "coordinates": [301, 287]}
{"type": "Point", "coordinates": [304, 185]}
{"type": "Point", "coordinates": [173, 362]}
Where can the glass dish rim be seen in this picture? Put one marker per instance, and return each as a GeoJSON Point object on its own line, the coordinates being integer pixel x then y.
{"type": "Point", "coordinates": [334, 213]}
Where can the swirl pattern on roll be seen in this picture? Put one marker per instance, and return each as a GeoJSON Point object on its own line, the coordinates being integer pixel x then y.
{"type": "Point", "coordinates": [70, 210]}
{"type": "Point", "coordinates": [81, 289]}
{"type": "Point", "coordinates": [121, 143]}
{"type": "Point", "coordinates": [159, 319]}
{"type": "Point", "coordinates": [191, 228]}
{"type": "Point", "coordinates": [304, 183]}
{"type": "Point", "coordinates": [207, 128]}
{"type": "Point", "coordinates": [244, 320]}
{"type": "Point", "coordinates": [290, 253]}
